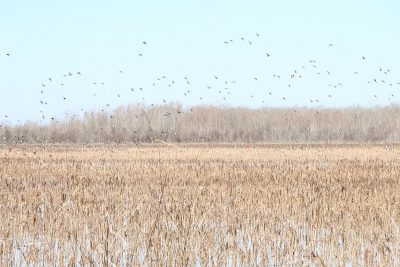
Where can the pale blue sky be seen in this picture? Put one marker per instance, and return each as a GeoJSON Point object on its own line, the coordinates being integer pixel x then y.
{"type": "Point", "coordinates": [186, 38]}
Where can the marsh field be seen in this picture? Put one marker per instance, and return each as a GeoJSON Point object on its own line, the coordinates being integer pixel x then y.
{"type": "Point", "coordinates": [199, 205]}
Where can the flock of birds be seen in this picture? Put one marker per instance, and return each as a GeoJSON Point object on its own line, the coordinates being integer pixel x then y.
{"type": "Point", "coordinates": [224, 89]}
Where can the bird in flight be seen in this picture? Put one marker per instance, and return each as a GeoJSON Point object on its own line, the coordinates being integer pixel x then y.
{"type": "Point", "coordinates": [8, 54]}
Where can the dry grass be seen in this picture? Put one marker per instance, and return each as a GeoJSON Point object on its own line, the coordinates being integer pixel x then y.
{"type": "Point", "coordinates": [210, 206]}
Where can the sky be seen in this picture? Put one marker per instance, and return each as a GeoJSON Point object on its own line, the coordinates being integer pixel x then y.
{"type": "Point", "coordinates": [322, 53]}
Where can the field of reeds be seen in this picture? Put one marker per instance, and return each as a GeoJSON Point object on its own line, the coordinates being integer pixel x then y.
{"type": "Point", "coordinates": [199, 205]}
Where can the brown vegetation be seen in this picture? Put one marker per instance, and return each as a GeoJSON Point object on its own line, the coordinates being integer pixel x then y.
{"type": "Point", "coordinates": [184, 205]}
{"type": "Point", "coordinates": [215, 124]}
